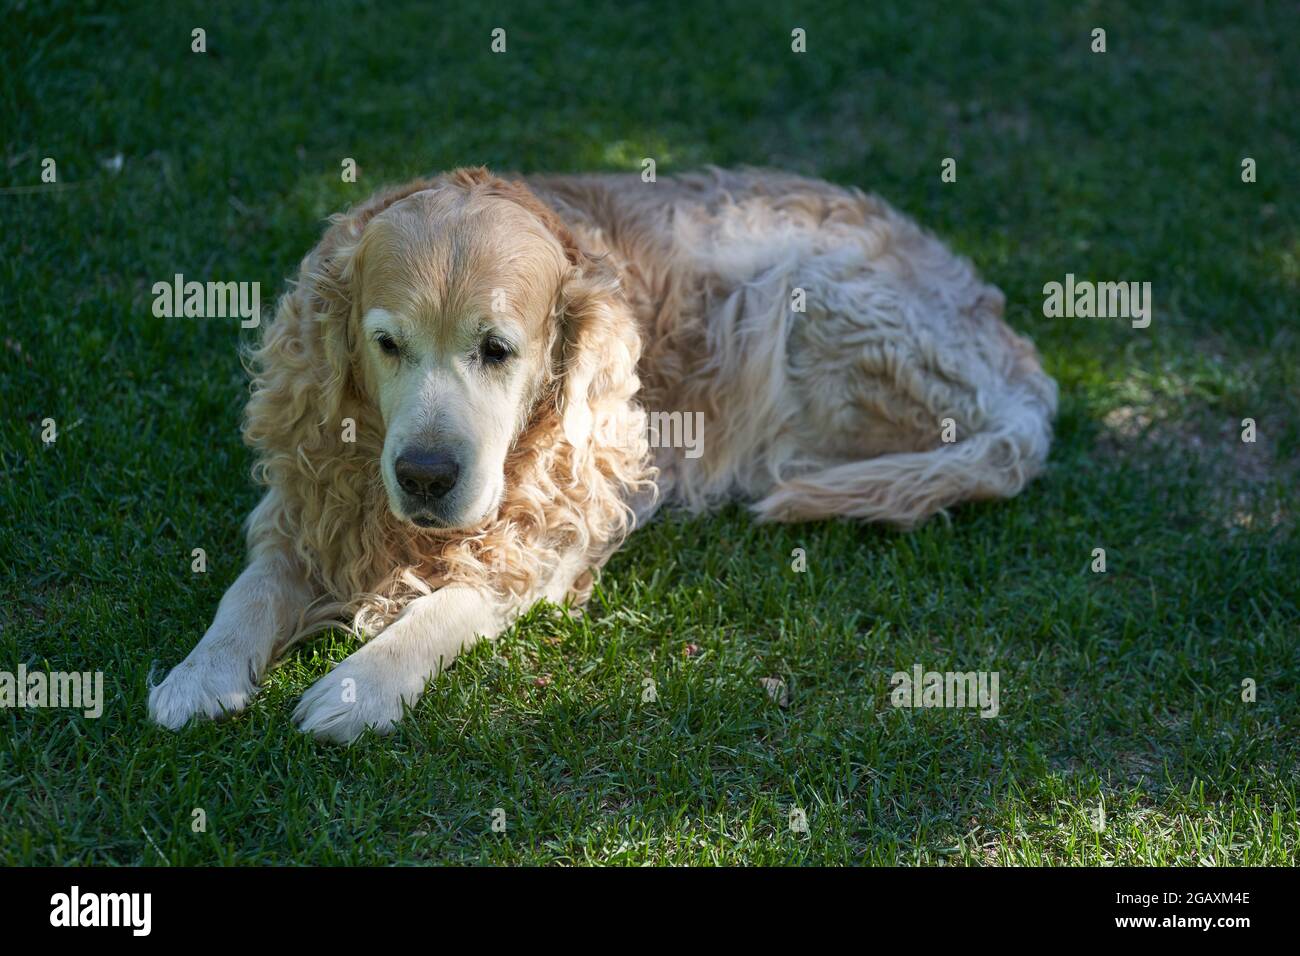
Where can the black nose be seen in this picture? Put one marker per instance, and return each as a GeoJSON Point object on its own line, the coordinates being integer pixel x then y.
{"type": "Point", "coordinates": [428, 474]}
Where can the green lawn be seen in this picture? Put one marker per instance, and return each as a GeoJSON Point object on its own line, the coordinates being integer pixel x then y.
{"type": "Point", "coordinates": [1120, 689]}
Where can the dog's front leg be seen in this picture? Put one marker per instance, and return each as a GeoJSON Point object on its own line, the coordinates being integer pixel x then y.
{"type": "Point", "coordinates": [256, 617]}
{"type": "Point", "coordinates": [370, 687]}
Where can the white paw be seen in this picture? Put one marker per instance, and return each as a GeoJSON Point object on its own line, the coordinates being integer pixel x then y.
{"type": "Point", "coordinates": [366, 690]}
{"type": "Point", "coordinates": [202, 685]}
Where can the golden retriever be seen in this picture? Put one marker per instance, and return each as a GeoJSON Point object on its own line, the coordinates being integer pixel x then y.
{"type": "Point", "coordinates": [461, 406]}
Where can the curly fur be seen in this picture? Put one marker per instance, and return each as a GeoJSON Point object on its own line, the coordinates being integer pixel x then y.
{"type": "Point", "coordinates": [562, 491]}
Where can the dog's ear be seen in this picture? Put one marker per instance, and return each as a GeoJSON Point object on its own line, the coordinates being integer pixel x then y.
{"type": "Point", "coordinates": [599, 346]}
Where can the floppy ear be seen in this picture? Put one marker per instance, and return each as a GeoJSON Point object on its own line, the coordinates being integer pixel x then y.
{"type": "Point", "coordinates": [599, 347]}
{"type": "Point", "coordinates": [602, 464]}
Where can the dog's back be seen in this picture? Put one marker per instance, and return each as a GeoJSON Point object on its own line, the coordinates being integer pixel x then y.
{"type": "Point", "coordinates": [843, 361]}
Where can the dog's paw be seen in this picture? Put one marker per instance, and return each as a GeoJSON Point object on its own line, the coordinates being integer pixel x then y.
{"type": "Point", "coordinates": [202, 686]}
{"type": "Point", "coordinates": [366, 690]}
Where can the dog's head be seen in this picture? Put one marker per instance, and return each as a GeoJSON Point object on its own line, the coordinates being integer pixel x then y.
{"type": "Point", "coordinates": [447, 393]}
{"type": "Point", "coordinates": [455, 313]}
{"type": "Point", "coordinates": [457, 293]}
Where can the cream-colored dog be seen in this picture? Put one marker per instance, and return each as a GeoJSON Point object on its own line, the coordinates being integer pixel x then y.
{"type": "Point", "coordinates": [474, 391]}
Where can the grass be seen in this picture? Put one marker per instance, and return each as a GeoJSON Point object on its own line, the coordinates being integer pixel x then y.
{"type": "Point", "coordinates": [1120, 690]}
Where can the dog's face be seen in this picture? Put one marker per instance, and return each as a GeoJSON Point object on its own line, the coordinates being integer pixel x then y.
{"type": "Point", "coordinates": [457, 301]}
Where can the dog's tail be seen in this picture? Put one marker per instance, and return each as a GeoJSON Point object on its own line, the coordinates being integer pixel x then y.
{"type": "Point", "coordinates": [905, 488]}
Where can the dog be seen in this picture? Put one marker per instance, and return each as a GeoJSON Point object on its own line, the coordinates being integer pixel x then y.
{"type": "Point", "coordinates": [452, 410]}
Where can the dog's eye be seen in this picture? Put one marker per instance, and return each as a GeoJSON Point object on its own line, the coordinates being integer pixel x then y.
{"type": "Point", "coordinates": [387, 343]}
{"type": "Point", "coordinates": [494, 351]}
